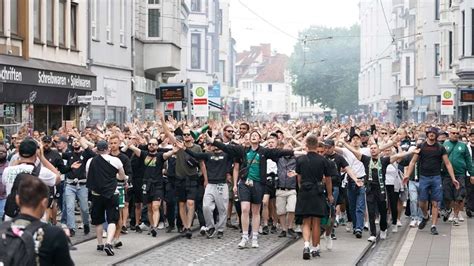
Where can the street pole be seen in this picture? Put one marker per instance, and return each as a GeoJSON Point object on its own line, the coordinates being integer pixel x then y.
{"type": "Point", "coordinates": [188, 96]}
{"type": "Point", "coordinates": [106, 104]}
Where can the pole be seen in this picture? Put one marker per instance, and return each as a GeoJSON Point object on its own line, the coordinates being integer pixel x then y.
{"type": "Point", "coordinates": [188, 96]}
{"type": "Point", "coordinates": [106, 104]}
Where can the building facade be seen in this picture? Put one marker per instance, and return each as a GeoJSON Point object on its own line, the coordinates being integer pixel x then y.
{"type": "Point", "coordinates": [43, 57]}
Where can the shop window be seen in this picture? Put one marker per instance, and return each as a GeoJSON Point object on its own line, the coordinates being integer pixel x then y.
{"type": "Point", "coordinates": [62, 22]}
{"type": "Point", "coordinates": [14, 17]}
{"type": "Point", "coordinates": [49, 21]}
{"type": "Point", "coordinates": [37, 19]}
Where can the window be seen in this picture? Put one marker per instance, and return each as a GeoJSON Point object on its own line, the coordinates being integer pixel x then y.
{"type": "Point", "coordinates": [153, 2]}
{"type": "Point", "coordinates": [196, 5]}
{"type": "Point", "coordinates": [94, 19]}
{"type": "Point", "coordinates": [49, 21]}
{"type": "Point", "coordinates": [122, 22]}
{"type": "Point", "coordinates": [153, 22]}
{"type": "Point", "coordinates": [195, 50]}
{"type": "Point", "coordinates": [220, 22]}
{"type": "Point", "coordinates": [450, 49]}
{"type": "Point", "coordinates": [407, 70]}
{"type": "Point", "coordinates": [463, 32]}
{"type": "Point", "coordinates": [108, 27]}
{"type": "Point", "coordinates": [73, 26]}
{"type": "Point", "coordinates": [1, 16]}
{"type": "Point", "coordinates": [36, 19]}
{"type": "Point", "coordinates": [437, 9]}
{"type": "Point", "coordinates": [14, 17]}
{"type": "Point", "coordinates": [270, 87]}
{"type": "Point", "coordinates": [62, 22]}
{"type": "Point", "coordinates": [436, 48]}
{"type": "Point", "coordinates": [472, 31]}
{"type": "Point", "coordinates": [222, 69]}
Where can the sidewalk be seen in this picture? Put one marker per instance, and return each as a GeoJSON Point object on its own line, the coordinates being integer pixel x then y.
{"type": "Point", "coordinates": [346, 251]}
{"type": "Point", "coordinates": [451, 247]}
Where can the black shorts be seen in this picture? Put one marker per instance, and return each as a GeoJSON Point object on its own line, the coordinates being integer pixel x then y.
{"type": "Point", "coordinates": [270, 189]}
{"type": "Point", "coordinates": [449, 191]}
{"type": "Point", "coordinates": [186, 188]}
{"type": "Point", "coordinates": [253, 194]}
{"type": "Point", "coordinates": [154, 193]}
{"type": "Point", "coordinates": [100, 206]}
{"type": "Point", "coordinates": [137, 191]}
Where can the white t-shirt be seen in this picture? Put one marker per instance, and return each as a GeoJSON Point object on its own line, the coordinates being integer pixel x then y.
{"type": "Point", "coordinates": [271, 167]}
{"type": "Point", "coordinates": [114, 161]}
{"type": "Point", "coordinates": [10, 173]}
{"type": "Point", "coordinates": [391, 174]}
{"type": "Point", "coordinates": [355, 164]}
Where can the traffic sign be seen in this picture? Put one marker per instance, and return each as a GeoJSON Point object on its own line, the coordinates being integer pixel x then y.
{"type": "Point", "coordinates": [200, 100]}
{"type": "Point", "coordinates": [447, 101]}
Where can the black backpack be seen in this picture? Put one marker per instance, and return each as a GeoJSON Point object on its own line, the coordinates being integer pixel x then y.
{"type": "Point", "coordinates": [11, 208]}
{"type": "Point", "coordinates": [17, 243]}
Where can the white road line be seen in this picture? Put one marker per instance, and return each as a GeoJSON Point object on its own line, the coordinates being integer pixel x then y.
{"type": "Point", "coordinates": [406, 247]}
{"type": "Point", "coordinates": [459, 249]}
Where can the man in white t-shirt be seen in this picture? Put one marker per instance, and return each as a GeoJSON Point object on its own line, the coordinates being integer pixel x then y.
{"type": "Point", "coordinates": [29, 155]}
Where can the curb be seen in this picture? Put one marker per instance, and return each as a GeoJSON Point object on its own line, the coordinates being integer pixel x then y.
{"type": "Point", "coordinates": [277, 250]}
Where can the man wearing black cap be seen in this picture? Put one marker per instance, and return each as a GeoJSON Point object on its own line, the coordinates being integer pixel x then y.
{"type": "Point", "coordinates": [29, 154]}
{"type": "Point", "coordinates": [102, 173]}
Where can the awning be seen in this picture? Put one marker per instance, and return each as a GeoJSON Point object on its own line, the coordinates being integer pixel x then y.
{"type": "Point", "coordinates": [28, 94]}
{"type": "Point", "coordinates": [35, 72]}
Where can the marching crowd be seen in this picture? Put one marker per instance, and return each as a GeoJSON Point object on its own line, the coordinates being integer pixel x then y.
{"type": "Point", "coordinates": [289, 179]}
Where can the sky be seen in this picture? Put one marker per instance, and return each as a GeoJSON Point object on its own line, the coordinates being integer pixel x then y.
{"type": "Point", "coordinates": [290, 17]}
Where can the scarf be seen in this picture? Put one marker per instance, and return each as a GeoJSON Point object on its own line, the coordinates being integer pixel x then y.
{"type": "Point", "coordinates": [377, 166]}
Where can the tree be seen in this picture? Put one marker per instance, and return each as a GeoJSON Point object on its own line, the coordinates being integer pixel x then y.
{"type": "Point", "coordinates": [325, 67]}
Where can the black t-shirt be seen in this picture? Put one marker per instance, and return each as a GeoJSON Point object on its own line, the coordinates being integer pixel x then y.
{"type": "Point", "coordinates": [430, 159]}
{"type": "Point", "coordinates": [313, 167]}
{"type": "Point", "coordinates": [217, 165]}
{"type": "Point", "coordinates": [340, 163]}
{"type": "Point", "coordinates": [153, 167]}
{"type": "Point", "coordinates": [54, 248]}
{"type": "Point", "coordinates": [384, 161]}
{"type": "Point", "coordinates": [127, 166]}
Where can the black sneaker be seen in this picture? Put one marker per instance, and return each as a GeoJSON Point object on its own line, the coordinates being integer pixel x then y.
{"type": "Point", "coordinates": [265, 230]}
{"type": "Point", "coordinates": [358, 233]}
{"type": "Point", "coordinates": [118, 244]}
{"type": "Point", "coordinates": [434, 231]}
{"type": "Point", "coordinates": [100, 247]}
{"type": "Point", "coordinates": [211, 232]}
{"type": "Point", "coordinates": [109, 250]}
{"type": "Point", "coordinates": [446, 214]}
{"type": "Point", "coordinates": [315, 253]}
{"type": "Point", "coordinates": [138, 229]}
{"type": "Point", "coordinates": [203, 231]}
{"type": "Point", "coordinates": [333, 236]}
{"type": "Point", "coordinates": [153, 232]}
{"type": "Point", "coordinates": [170, 229]}
{"type": "Point", "coordinates": [306, 254]}
{"type": "Point", "coordinates": [181, 230]}
{"type": "Point", "coordinates": [132, 227]}
{"type": "Point", "coordinates": [189, 234]}
{"type": "Point", "coordinates": [87, 229]}
{"type": "Point", "coordinates": [282, 234]}
{"type": "Point", "coordinates": [292, 233]}
{"type": "Point", "coordinates": [423, 223]}
{"type": "Point", "coordinates": [273, 229]}
{"type": "Point", "coordinates": [220, 234]}
{"type": "Point", "coordinates": [72, 233]}
{"type": "Point", "coordinates": [468, 213]}
{"type": "Point", "coordinates": [124, 230]}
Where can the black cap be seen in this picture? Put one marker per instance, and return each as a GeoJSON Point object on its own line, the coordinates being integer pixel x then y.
{"type": "Point", "coordinates": [444, 133]}
{"type": "Point", "coordinates": [102, 145]}
{"type": "Point", "coordinates": [355, 135]}
{"type": "Point", "coordinates": [46, 139]}
{"type": "Point", "coordinates": [364, 134]}
{"type": "Point", "coordinates": [472, 132]}
{"type": "Point", "coordinates": [329, 142]}
{"type": "Point", "coordinates": [63, 139]}
{"type": "Point", "coordinates": [28, 148]}
{"type": "Point", "coordinates": [432, 130]}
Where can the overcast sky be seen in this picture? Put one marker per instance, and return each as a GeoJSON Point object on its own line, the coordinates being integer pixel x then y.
{"type": "Point", "coordinates": [290, 16]}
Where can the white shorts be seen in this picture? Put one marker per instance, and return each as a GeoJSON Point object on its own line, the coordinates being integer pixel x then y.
{"type": "Point", "coordinates": [285, 201]}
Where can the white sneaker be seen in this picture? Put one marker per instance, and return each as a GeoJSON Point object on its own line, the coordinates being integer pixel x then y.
{"type": "Point", "coordinates": [456, 222]}
{"type": "Point", "coordinates": [328, 242]}
{"type": "Point", "coordinates": [413, 223]}
{"type": "Point", "coordinates": [383, 234]}
{"type": "Point", "coordinates": [349, 227]}
{"type": "Point", "coordinates": [298, 229]}
{"type": "Point", "coordinates": [203, 230]}
{"type": "Point", "coordinates": [161, 226]}
{"type": "Point", "coordinates": [371, 239]}
{"type": "Point", "coordinates": [451, 218]}
{"type": "Point", "coordinates": [399, 223]}
{"type": "Point", "coordinates": [144, 227]}
{"type": "Point", "coordinates": [243, 242]}
{"type": "Point", "coordinates": [377, 221]}
{"type": "Point", "coordinates": [394, 228]}
{"type": "Point", "coordinates": [254, 242]}
{"type": "Point", "coordinates": [461, 218]}
{"type": "Point", "coordinates": [260, 230]}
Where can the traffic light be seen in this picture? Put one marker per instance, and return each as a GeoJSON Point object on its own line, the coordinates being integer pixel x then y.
{"type": "Point", "coordinates": [405, 105]}
{"type": "Point", "coordinates": [399, 109]}
{"type": "Point", "coordinates": [246, 106]}
{"type": "Point", "coordinates": [252, 106]}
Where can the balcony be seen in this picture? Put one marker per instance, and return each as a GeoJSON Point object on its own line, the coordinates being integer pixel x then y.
{"type": "Point", "coordinates": [465, 70]}
{"type": "Point", "coordinates": [161, 57]}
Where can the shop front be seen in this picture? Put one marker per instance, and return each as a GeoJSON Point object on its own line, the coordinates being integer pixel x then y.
{"type": "Point", "coordinates": [41, 94]}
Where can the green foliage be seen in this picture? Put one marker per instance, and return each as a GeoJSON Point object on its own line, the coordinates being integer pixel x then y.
{"type": "Point", "coordinates": [326, 71]}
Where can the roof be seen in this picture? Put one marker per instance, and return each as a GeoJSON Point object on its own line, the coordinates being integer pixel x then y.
{"type": "Point", "coordinates": [273, 70]}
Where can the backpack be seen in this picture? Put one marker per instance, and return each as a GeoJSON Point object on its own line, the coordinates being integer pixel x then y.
{"type": "Point", "coordinates": [17, 243]}
{"type": "Point", "coordinates": [11, 208]}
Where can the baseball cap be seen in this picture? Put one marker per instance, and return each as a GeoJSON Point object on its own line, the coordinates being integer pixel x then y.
{"type": "Point", "coordinates": [46, 139]}
{"type": "Point", "coordinates": [329, 142]}
{"type": "Point", "coordinates": [63, 139]}
{"type": "Point", "coordinates": [355, 135]}
{"type": "Point", "coordinates": [28, 148]}
{"type": "Point", "coordinates": [433, 130]}
{"type": "Point", "coordinates": [102, 145]}
{"type": "Point", "coordinates": [364, 134]}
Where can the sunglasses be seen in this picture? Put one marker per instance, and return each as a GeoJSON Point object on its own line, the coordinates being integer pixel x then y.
{"type": "Point", "coordinates": [383, 133]}
{"type": "Point", "coordinates": [229, 131]}
{"type": "Point", "coordinates": [186, 134]}
{"type": "Point", "coordinates": [152, 144]}
{"type": "Point", "coordinates": [454, 133]}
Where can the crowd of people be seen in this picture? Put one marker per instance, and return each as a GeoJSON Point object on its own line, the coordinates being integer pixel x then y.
{"type": "Point", "coordinates": [261, 178]}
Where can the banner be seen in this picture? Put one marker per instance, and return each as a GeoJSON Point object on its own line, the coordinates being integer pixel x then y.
{"type": "Point", "coordinates": [447, 101]}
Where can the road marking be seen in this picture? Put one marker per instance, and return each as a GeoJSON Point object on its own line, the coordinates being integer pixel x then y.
{"type": "Point", "coordinates": [406, 247]}
{"type": "Point", "coordinates": [459, 249]}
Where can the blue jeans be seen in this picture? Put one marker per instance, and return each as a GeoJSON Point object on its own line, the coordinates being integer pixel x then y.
{"type": "Point", "coordinates": [70, 195]}
{"type": "Point", "coordinates": [356, 205]}
{"type": "Point", "coordinates": [2, 208]}
{"type": "Point", "coordinates": [413, 189]}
